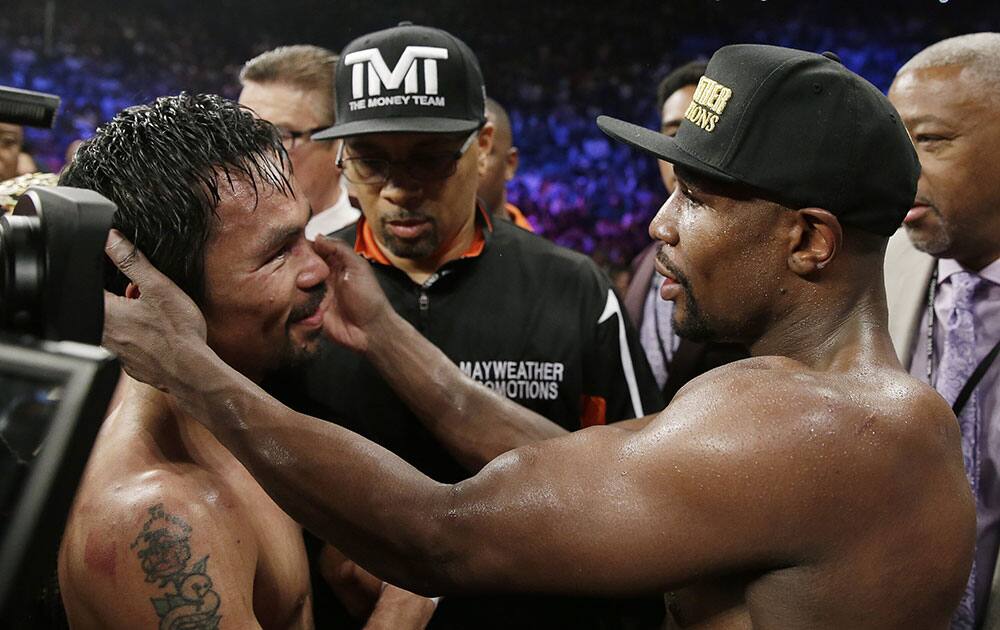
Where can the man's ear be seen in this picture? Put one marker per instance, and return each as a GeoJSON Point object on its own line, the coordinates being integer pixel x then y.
{"type": "Point", "coordinates": [510, 167]}
{"type": "Point", "coordinates": [485, 143]}
{"type": "Point", "coordinates": [816, 236]}
{"type": "Point", "coordinates": [132, 291]}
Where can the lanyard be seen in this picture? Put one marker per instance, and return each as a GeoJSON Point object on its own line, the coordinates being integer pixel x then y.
{"type": "Point", "coordinates": [977, 374]}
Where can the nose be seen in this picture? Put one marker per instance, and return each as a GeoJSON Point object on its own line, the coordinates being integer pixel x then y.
{"type": "Point", "coordinates": [313, 271]}
{"type": "Point", "coordinates": [399, 185]}
{"type": "Point", "coordinates": [662, 227]}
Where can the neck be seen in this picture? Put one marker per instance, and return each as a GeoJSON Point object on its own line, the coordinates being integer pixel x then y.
{"type": "Point", "coordinates": [499, 211]}
{"type": "Point", "coordinates": [176, 436]}
{"type": "Point", "coordinates": [830, 329]}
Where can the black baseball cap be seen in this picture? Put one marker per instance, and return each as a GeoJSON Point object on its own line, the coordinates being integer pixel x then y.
{"type": "Point", "coordinates": [797, 126]}
{"type": "Point", "coordinates": [407, 79]}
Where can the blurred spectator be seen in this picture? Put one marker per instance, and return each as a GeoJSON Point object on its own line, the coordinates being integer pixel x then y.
{"type": "Point", "coordinates": [292, 87]}
{"type": "Point", "coordinates": [26, 163]}
{"type": "Point", "coordinates": [501, 166]}
{"type": "Point", "coordinates": [579, 190]}
{"type": "Point", "coordinates": [11, 139]}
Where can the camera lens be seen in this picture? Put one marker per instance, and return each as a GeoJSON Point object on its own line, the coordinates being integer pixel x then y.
{"type": "Point", "coordinates": [22, 271]}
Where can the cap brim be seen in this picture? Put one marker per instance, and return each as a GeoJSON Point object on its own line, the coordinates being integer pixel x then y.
{"type": "Point", "coordinates": [659, 146]}
{"type": "Point", "coordinates": [397, 125]}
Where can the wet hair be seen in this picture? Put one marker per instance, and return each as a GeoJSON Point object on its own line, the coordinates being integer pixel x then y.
{"type": "Point", "coordinates": [162, 165]}
{"type": "Point", "coordinates": [305, 67]}
{"type": "Point", "coordinates": [978, 52]}
{"type": "Point", "coordinates": [688, 74]}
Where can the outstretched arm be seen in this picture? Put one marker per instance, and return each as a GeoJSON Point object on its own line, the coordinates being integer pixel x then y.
{"type": "Point", "coordinates": [601, 511]}
{"type": "Point", "coordinates": [474, 423]}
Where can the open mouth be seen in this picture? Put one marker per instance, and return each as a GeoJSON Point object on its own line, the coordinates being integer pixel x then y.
{"type": "Point", "coordinates": [311, 313]}
{"type": "Point", "coordinates": [662, 266]}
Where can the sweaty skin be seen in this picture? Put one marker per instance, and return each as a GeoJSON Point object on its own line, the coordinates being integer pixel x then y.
{"type": "Point", "coordinates": [168, 528]}
{"type": "Point", "coordinates": [816, 485]}
{"type": "Point", "coordinates": [152, 457]}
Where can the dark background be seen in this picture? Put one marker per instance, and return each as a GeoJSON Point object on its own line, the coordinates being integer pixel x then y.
{"type": "Point", "coordinates": [555, 65]}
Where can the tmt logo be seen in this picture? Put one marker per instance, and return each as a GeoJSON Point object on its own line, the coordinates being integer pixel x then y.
{"type": "Point", "coordinates": [404, 73]}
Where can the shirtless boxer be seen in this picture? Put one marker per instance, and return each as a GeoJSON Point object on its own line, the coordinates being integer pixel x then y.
{"type": "Point", "coordinates": [814, 485]}
{"type": "Point", "coordinates": [168, 528]}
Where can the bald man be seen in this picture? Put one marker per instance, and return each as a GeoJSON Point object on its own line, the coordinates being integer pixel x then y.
{"type": "Point", "coordinates": [943, 273]}
{"type": "Point", "coordinates": [501, 166]}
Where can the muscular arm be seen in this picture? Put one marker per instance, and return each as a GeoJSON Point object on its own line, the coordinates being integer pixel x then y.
{"type": "Point", "coordinates": [711, 485]}
{"type": "Point", "coordinates": [473, 422]}
{"type": "Point", "coordinates": [470, 420]}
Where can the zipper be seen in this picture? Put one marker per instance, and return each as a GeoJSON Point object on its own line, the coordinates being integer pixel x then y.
{"type": "Point", "coordinates": [424, 300]}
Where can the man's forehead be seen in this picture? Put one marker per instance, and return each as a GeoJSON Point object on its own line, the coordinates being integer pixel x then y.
{"type": "Point", "coordinates": [942, 94]}
{"type": "Point", "coordinates": [707, 185]}
{"type": "Point", "coordinates": [239, 189]}
{"type": "Point", "coordinates": [282, 103]}
{"type": "Point", "coordinates": [8, 129]}
{"type": "Point", "coordinates": [401, 140]}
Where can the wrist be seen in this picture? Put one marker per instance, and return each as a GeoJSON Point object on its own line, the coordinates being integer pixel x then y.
{"type": "Point", "coordinates": [383, 333]}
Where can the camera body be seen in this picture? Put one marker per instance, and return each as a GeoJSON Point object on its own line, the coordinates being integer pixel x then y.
{"type": "Point", "coordinates": [51, 256]}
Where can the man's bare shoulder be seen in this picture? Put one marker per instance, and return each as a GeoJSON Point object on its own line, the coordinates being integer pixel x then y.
{"type": "Point", "coordinates": [139, 541]}
{"type": "Point", "coordinates": [791, 395]}
{"type": "Point", "coordinates": [876, 428]}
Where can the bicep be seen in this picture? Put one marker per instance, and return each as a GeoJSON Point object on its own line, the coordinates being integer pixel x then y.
{"type": "Point", "coordinates": [610, 511]}
{"type": "Point", "coordinates": [170, 567]}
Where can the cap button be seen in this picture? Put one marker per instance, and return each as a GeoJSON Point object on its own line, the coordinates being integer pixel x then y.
{"type": "Point", "coordinates": [405, 23]}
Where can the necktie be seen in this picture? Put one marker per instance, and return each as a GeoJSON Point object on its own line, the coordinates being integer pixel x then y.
{"type": "Point", "coordinates": [958, 362]}
{"type": "Point", "coordinates": [656, 333]}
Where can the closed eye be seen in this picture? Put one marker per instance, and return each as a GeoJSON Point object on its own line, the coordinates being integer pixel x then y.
{"type": "Point", "coordinates": [280, 255]}
{"type": "Point", "coordinates": [929, 138]}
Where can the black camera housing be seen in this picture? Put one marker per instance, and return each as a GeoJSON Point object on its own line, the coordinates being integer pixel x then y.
{"type": "Point", "coordinates": [51, 261]}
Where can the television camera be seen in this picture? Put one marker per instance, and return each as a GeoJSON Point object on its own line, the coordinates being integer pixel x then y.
{"type": "Point", "coordinates": [55, 380]}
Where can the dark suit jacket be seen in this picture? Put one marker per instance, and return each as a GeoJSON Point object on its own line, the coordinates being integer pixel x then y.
{"type": "Point", "coordinates": [692, 358]}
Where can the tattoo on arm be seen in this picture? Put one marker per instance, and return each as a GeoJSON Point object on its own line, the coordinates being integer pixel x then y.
{"type": "Point", "coordinates": [189, 602]}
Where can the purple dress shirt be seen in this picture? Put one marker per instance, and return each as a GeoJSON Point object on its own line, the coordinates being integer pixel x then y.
{"type": "Point", "coordinates": [987, 393]}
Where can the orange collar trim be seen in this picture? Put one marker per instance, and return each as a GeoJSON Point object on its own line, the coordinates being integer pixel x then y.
{"type": "Point", "coordinates": [365, 244]}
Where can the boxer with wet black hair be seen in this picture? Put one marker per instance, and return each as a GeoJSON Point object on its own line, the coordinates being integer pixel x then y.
{"type": "Point", "coordinates": [167, 527]}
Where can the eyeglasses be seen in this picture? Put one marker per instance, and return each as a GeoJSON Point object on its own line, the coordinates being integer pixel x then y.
{"type": "Point", "coordinates": [424, 168]}
{"type": "Point", "coordinates": [292, 139]}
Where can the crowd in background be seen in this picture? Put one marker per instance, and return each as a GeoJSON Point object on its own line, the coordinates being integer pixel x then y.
{"type": "Point", "coordinates": [555, 66]}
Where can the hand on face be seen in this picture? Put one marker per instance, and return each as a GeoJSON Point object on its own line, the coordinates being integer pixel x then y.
{"type": "Point", "coordinates": [358, 301]}
{"type": "Point", "coordinates": [151, 332]}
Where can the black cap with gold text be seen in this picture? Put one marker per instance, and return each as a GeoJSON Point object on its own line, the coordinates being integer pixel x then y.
{"type": "Point", "coordinates": [797, 126]}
